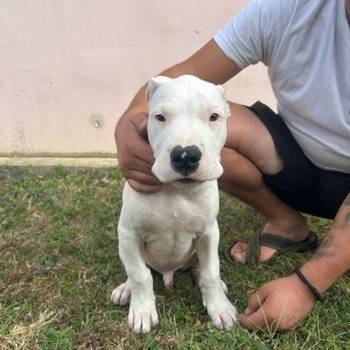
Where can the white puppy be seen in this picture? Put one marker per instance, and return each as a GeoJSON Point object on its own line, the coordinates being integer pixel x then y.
{"type": "Point", "coordinates": [186, 130]}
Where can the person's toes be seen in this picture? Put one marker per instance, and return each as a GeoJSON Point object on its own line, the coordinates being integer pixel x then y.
{"type": "Point", "coordinates": [238, 252]}
{"type": "Point", "coordinates": [266, 253]}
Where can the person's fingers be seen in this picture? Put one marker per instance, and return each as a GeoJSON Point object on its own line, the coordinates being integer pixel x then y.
{"type": "Point", "coordinates": [137, 164]}
{"type": "Point", "coordinates": [138, 156]}
{"type": "Point", "coordinates": [142, 129]}
{"type": "Point", "coordinates": [147, 179]}
{"type": "Point", "coordinates": [141, 187]}
{"type": "Point", "coordinates": [257, 319]}
{"type": "Point", "coordinates": [260, 311]}
{"type": "Point", "coordinates": [131, 140]}
{"type": "Point", "coordinates": [141, 149]}
{"type": "Point", "coordinates": [255, 301]}
{"type": "Point", "coordinates": [254, 315]}
{"type": "Point", "coordinates": [135, 155]}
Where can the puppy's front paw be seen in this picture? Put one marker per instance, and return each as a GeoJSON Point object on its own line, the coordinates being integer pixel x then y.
{"type": "Point", "coordinates": [143, 317]}
{"type": "Point", "coordinates": [222, 313]}
{"type": "Point", "coordinates": [224, 287]}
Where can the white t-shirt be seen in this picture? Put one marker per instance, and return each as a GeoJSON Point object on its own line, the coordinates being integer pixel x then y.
{"type": "Point", "coordinates": [306, 46]}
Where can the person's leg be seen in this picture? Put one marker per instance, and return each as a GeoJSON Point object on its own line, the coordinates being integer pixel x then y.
{"type": "Point", "coordinates": [249, 152]}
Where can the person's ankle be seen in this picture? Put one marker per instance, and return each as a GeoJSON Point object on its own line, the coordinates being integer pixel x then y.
{"type": "Point", "coordinates": [292, 228]}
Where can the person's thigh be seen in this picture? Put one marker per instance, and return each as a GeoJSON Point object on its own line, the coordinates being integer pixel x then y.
{"type": "Point", "coordinates": [262, 137]}
{"type": "Point", "coordinates": [333, 187]}
{"type": "Point", "coordinates": [248, 135]}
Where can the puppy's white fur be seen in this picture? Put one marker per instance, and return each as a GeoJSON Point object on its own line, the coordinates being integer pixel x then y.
{"type": "Point", "coordinates": [164, 230]}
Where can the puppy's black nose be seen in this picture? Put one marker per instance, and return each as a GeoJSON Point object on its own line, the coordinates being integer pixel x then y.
{"type": "Point", "coordinates": [185, 160]}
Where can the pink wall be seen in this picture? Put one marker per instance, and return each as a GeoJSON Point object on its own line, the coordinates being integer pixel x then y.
{"type": "Point", "coordinates": [69, 68]}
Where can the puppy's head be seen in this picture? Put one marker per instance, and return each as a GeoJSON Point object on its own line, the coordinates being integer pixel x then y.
{"type": "Point", "coordinates": [186, 128]}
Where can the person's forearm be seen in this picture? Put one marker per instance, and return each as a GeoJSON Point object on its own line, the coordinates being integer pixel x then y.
{"type": "Point", "coordinates": [332, 259]}
{"type": "Point", "coordinates": [139, 103]}
{"type": "Point", "coordinates": [208, 63]}
{"type": "Point", "coordinates": [330, 262]}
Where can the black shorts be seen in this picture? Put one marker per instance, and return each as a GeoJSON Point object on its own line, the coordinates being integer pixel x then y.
{"type": "Point", "coordinates": [301, 184]}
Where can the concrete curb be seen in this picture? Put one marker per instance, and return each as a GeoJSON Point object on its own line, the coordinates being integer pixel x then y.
{"type": "Point", "coordinates": [65, 162]}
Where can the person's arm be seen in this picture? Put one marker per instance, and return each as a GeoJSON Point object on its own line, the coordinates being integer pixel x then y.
{"type": "Point", "coordinates": [134, 153]}
{"type": "Point", "coordinates": [285, 301]}
{"type": "Point", "coordinates": [332, 259]}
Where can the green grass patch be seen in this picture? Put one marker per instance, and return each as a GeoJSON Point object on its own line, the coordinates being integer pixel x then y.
{"type": "Point", "coordinates": [59, 264]}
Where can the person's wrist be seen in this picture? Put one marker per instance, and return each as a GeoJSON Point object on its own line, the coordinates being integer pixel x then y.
{"type": "Point", "coordinates": [314, 291]}
{"type": "Point", "coordinates": [304, 292]}
{"type": "Point", "coordinates": [320, 275]}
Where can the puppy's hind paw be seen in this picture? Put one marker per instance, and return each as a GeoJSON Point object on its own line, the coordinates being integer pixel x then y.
{"type": "Point", "coordinates": [121, 295]}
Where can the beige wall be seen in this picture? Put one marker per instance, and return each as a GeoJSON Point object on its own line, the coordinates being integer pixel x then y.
{"type": "Point", "coordinates": [68, 68]}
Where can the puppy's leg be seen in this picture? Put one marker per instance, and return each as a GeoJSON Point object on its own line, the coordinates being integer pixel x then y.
{"type": "Point", "coordinates": [220, 309]}
{"type": "Point", "coordinates": [142, 312]}
{"type": "Point", "coordinates": [193, 264]}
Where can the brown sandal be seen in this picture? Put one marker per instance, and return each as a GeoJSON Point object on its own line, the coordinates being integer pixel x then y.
{"type": "Point", "coordinates": [273, 241]}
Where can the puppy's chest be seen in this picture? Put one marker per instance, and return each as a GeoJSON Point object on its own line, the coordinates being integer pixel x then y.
{"type": "Point", "coordinates": [172, 211]}
{"type": "Point", "coordinates": [179, 215]}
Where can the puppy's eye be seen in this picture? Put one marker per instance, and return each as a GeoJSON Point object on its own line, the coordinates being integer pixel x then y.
{"type": "Point", "coordinates": [160, 117]}
{"type": "Point", "coordinates": [213, 117]}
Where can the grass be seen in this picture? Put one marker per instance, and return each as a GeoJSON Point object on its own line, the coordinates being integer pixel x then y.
{"type": "Point", "coordinates": [59, 264]}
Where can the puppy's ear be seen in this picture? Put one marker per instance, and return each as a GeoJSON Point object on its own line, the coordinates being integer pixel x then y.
{"type": "Point", "coordinates": [153, 85]}
{"type": "Point", "coordinates": [227, 107]}
{"type": "Point", "coordinates": [221, 89]}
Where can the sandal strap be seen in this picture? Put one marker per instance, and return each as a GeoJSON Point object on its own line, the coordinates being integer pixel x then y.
{"type": "Point", "coordinates": [276, 242]}
{"type": "Point", "coordinates": [253, 250]}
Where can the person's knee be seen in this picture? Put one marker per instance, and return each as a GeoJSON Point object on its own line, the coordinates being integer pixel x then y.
{"type": "Point", "coordinates": [247, 135]}
{"type": "Point", "coordinates": [239, 172]}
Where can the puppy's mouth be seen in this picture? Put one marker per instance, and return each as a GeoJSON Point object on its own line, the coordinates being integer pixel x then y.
{"type": "Point", "coordinates": [188, 181]}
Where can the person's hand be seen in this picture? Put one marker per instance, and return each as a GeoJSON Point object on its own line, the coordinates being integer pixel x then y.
{"type": "Point", "coordinates": [135, 154]}
{"type": "Point", "coordinates": [278, 305]}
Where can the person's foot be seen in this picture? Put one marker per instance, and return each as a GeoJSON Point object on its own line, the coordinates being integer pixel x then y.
{"type": "Point", "coordinates": [295, 229]}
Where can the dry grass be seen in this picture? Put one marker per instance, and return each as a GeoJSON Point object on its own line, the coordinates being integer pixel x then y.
{"type": "Point", "coordinates": [21, 335]}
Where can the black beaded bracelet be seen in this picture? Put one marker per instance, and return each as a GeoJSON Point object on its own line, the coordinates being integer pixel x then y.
{"type": "Point", "coordinates": [312, 289]}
